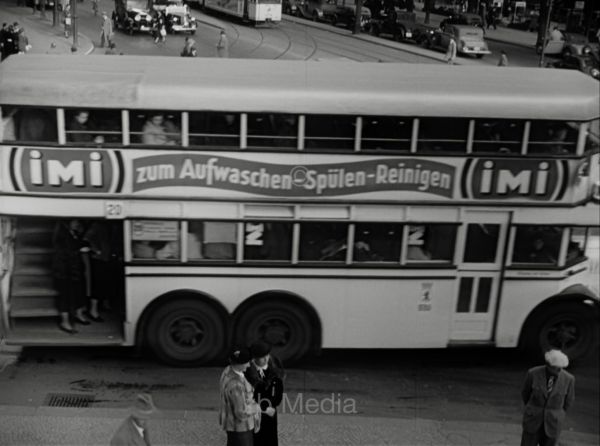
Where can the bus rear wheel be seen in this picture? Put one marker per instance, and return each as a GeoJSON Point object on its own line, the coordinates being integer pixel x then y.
{"type": "Point", "coordinates": [566, 326]}
{"type": "Point", "coordinates": [186, 332]}
{"type": "Point", "coordinates": [285, 326]}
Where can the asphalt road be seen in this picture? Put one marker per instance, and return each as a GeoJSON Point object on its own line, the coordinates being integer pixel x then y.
{"type": "Point", "coordinates": [446, 385]}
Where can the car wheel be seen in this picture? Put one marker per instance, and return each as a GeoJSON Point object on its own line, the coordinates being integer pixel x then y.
{"type": "Point", "coordinates": [400, 34]}
{"type": "Point", "coordinates": [567, 53]}
{"type": "Point", "coordinates": [479, 56]}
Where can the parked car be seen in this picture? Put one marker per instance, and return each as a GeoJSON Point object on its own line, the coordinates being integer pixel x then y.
{"type": "Point", "coordinates": [466, 18]}
{"type": "Point", "coordinates": [178, 16]}
{"type": "Point", "coordinates": [132, 16]}
{"type": "Point", "coordinates": [400, 29]}
{"type": "Point", "coordinates": [291, 7]}
{"type": "Point", "coordinates": [336, 12]}
{"type": "Point", "coordinates": [586, 63]}
{"type": "Point", "coordinates": [469, 40]}
{"type": "Point", "coordinates": [571, 43]}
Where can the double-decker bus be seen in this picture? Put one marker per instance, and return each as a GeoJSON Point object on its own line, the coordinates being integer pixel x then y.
{"type": "Point", "coordinates": [310, 204]}
{"type": "Point", "coordinates": [252, 11]}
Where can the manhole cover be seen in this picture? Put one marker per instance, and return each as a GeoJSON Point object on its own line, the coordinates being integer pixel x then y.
{"type": "Point", "coordinates": [68, 400]}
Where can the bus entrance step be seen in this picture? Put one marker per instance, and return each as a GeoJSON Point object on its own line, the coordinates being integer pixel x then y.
{"type": "Point", "coordinates": [27, 291]}
{"type": "Point", "coordinates": [33, 307]}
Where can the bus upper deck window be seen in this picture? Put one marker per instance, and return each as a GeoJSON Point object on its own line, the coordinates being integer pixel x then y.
{"type": "Point", "coordinates": [29, 124]}
{"type": "Point", "coordinates": [86, 126]}
{"type": "Point", "coordinates": [442, 135]}
{"type": "Point", "coordinates": [214, 128]}
{"type": "Point", "coordinates": [272, 130]}
{"type": "Point", "coordinates": [501, 136]}
{"type": "Point", "coordinates": [330, 132]}
{"type": "Point", "coordinates": [553, 137]}
{"type": "Point", "coordinates": [386, 133]}
{"type": "Point", "coordinates": [155, 127]}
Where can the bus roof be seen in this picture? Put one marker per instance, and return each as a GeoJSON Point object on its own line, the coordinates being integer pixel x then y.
{"type": "Point", "coordinates": [332, 87]}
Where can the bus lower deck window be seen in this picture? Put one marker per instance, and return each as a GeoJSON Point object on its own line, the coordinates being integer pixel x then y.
{"type": "Point", "coordinates": [268, 241]}
{"type": "Point", "coordinates": [537, 244]}
{"type": "Point", "coordinates": [430, 242]}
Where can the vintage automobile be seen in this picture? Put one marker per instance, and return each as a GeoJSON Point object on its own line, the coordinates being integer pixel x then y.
{"type": "Point", "coordinates": [403, 28]}
{"type": "Point", "coordinates": [569, 44]}
{"type": "Point", "coordinates": [469, 40]}
{"type": "Point", "coordinates": [291, 7]}
{"type": "Point", "coordinates": [132, 16]}
{"type": "Point", "coordinates": [178, 16]}
{"type": "Point", "coordinates": [462, 19]}
{"type": "Point", "coordinates": [336, 12]}
{"type": "Point", "coordinates": [586, 63]}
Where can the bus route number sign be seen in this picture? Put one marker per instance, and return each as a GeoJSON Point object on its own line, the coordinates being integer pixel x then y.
{"type": "Point", "coordinates": [114, 210]}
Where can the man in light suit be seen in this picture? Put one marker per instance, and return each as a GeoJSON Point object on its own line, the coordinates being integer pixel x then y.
{"type": "Point", "coordinates": [548, 392]}
{"type": "Point", "coordinates": [134, 430]}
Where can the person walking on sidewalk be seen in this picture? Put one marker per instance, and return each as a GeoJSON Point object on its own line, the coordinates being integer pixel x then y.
{"type": "Point", "coordinates": [67, 19]}
{"type": "Point", "coordinates": [451, 51]}
{"type": "Point", "coordinates": [548, 393]}
{"type": "Point", "coordinates": [239, 415]}
{"type": "Point", "coordinates": [134, 430]}
{"type": "Point", "coordinates": [223, 45]}
{"type": "Point", "coordinates": [189, 49]}
{"type": "Point", "coordinates": [503, 60]}
{"type": "Point", "coordinates": [106, 31]}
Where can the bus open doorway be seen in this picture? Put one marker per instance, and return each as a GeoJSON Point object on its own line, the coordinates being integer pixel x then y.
{"type": "Point", "coordinates": [30, 313]}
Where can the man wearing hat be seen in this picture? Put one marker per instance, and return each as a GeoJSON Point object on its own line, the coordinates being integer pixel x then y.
{"type": "Point", "coordinates": [106, 30]}
{"type": "Point", "coordinates": [134, 431]}
{"type": "Point", "coordinates": [266, 374]}
{"type": "Point", "coordinates": [548, 392]}
{"type": "Point", "coordinates": [239, 415]}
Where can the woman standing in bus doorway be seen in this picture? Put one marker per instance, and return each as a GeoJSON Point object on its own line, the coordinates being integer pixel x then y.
{"type": "Point", "coordinates": [266, 375]}
{"type": "Point", "coordinates": [71, 268]}
{"type": "Point", "coordinates": [223, 45]}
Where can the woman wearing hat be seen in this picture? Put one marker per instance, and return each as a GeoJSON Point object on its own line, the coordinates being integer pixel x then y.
{"type": "Point", "coordinates": [239, 415]}
{"type": "Point", "coordinates": [266, 375]}
{"type": "Point", "coordinates": [547, 393]}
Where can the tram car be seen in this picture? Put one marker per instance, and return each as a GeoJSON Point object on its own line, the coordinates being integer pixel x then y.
{"type": "Point", "coordinates": [253, 11]}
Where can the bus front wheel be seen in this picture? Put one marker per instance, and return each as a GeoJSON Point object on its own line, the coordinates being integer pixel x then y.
{"type": "Point", "coordinates": [565, 326]}
{"type": "Point", "coordinates": [186, 332]}
{"type": "Point", "coordinates": [285, 326]}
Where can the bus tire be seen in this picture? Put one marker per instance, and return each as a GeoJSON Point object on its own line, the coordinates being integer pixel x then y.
{"type": "Point", "coordinates": [567, 326]}
{"type": "Point", "coordinates": [186, 332]}
{"type": "Point", "coordinates": [285, 326]}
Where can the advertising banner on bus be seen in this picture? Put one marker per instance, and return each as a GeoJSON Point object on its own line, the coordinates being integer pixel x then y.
{"type": "Point", "coordinates": [171, 174]}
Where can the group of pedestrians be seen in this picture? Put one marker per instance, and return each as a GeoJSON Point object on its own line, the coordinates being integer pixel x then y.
{"type": "Point", "coordinates": [13, 40]}
{"type": "Point", "coordinates": [251, 388]}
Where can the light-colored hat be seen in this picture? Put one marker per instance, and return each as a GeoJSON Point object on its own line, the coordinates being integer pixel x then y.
{"type": "Point", "coordinates": [143, 406]}
{"type": "Point", "coordinates": [556, 358]}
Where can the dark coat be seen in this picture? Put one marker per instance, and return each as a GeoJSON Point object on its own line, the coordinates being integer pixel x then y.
{"type": "Point", "coordinates": [128, 435]}
{"type": "Point", "coordinates": [68, 254]}
{"type": "Point", "coordinates": [546, 409]}
{"type": "Point", "coordinates": [268, 392]}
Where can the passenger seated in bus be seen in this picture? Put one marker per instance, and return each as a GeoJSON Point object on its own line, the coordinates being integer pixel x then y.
{"type": "Point", "coordinates": [574, 251]}
{"type": "Point", "coordinates": [8, 128]}
{"type": "Point", "coordinates": [558, 137]}
{"type": "Point", "coordinates": [166, 250]}
{"type": "Point", "coordinates": [539, 252]}
{"type": "Point", "coordinates": [79, 129]}
{"type": "Point", "coordinates": [142, 249]}
{"type": "Point", "coordinates": [158, 131]}
{"type": "Point", "coordinates": [37, 125]}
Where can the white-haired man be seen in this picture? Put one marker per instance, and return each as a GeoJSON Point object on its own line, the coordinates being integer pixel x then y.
{"type": "Point", "coordinates": [548, 392]}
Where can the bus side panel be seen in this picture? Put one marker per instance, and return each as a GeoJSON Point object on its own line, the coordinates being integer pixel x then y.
{"type": "Point", "coordinates": [352, 315]}
{"type": "Point", "coordinates": [521, 296]}
{"type": "Point", "coordinates": [231, 7]}
{"type": "Point", "coordinates": [262, 12]}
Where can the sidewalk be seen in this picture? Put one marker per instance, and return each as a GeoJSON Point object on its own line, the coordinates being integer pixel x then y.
{"type": "Point", "coordinates": [43, 426]}
{"type": "Point", "coordinates": [40, 31]}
